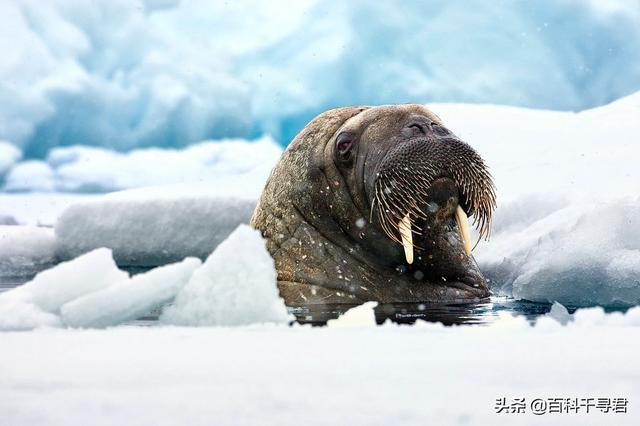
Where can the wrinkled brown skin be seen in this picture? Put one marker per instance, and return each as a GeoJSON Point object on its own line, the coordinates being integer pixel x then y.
{"type": "Point", "coordinates": [309, 208]}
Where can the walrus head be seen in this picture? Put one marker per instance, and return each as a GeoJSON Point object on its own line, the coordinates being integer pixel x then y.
{"type": "Point", "coordinates": [371, 203]}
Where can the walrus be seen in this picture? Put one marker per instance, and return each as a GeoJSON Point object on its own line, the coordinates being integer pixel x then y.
{"type": "Point", "coordinates": [371, 203]}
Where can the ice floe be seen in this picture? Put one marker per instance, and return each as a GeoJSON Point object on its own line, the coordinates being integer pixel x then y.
{"type": "Point", "coordinates": [129, 298]}
{"type": "Point", "coordinates": [150, 230]}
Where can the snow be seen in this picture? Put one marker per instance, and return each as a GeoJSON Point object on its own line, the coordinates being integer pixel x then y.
{"type": "Point", "coordinates": [425, 374]}
{"type": "Point", "coordinates": [130, 298]}
{"type": "Point", "coordinates": [144, 228]}
{"type": "Point", "coordinates": [235, 286]}
{"type": "Point", "coordinates": [124, 75]}
{"type": "Point", "coordinates": [25, 250]}
{"type": "Point", "coordinates": [230, 163]}
{"type": "Point", "coordinates": [21, 315]}
{"type": "Point", "coordinates": [38, 209]}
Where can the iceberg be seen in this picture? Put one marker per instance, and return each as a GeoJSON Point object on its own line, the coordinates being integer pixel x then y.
{"type": "Point", "coordinates": [169, 74]}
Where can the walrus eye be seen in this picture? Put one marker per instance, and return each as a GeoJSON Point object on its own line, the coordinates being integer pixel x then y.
{"type": "Point", "coordinates": [344, 143]}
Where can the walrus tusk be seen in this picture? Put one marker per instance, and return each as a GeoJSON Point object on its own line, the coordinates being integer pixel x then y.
{"type": "Point", "coordinates": [463, 228]}
{"type": "Point", "coordinates": [404, 226]}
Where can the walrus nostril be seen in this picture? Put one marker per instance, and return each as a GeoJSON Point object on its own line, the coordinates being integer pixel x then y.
{"type": "Point", "coordinates": [440, 130]}
{"type": "Point", "coordinates": [414, 129]}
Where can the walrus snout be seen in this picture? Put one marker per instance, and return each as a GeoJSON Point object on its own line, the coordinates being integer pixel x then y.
{"type": "Point", "coordinates": [409, 181]}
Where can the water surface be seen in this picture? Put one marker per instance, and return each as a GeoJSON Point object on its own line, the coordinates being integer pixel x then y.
{"type": "Point", "coordinates": [479, 313]}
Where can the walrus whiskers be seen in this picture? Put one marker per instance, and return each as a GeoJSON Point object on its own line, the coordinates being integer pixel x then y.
{"type": "Point", "coordinates": [397, 206]}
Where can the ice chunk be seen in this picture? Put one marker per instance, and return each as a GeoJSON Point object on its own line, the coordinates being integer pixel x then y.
{"type": "Point", "coordinates": [150, 231]}
{"type": "Point", "coordinates": [235, 286]}
{"type": "Point", "coordinates": [25, 250]}
{"type": "Point", "coordinates": [67, 281]}
{"type": "Point", "coordinates": [21, 315]}
{"type": "Point", "coordinates": [130, 298]}
{"type": "Point", "coordinates": [560, 313]}
{"type": "Point", "coordinates": [360, 316]}
{"type": "Point", "coordinates": [591, 261]}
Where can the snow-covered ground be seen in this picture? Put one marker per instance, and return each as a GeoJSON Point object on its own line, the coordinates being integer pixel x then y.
{"type": "Point", "coordinates": [362, 375]}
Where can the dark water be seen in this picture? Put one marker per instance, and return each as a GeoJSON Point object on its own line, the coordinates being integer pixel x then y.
{"type": "Point", "coordinates": [481, 313]}
{"type": "Point", "coordinates": [447, 314]}
{"type": "Point", "coordinates": [408, 313]}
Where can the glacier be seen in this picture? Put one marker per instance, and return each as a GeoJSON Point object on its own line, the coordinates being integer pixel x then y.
{"type": "Point", "coordinates": [124, 75]}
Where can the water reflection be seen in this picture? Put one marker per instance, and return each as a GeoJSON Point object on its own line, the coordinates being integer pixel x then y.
{"type": "Point", "coordinates": [481, 313]}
